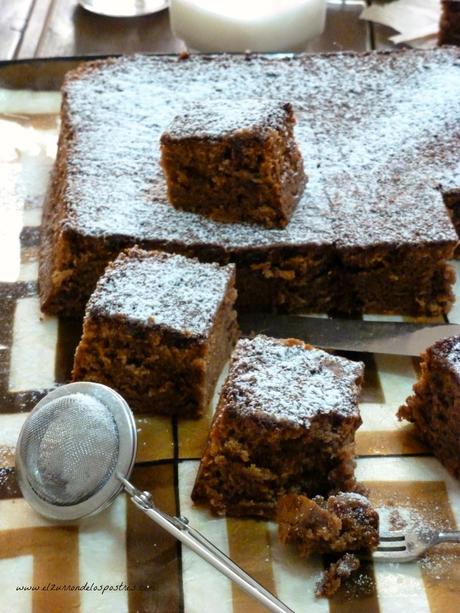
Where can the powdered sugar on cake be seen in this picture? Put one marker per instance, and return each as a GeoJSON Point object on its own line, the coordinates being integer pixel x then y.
{"type": "Point", "coordinates": [159, 289]}
{"type": "Point", "coordinates": [290, 383]}
{"type": "Point", "coordinates": [378, 178]}
{"type": "Point", "coordinates": [449, 350]}
{"type": "Point", "coordinates": [354, 496]}
{"type": "Point", "coordinates": [221, 118]}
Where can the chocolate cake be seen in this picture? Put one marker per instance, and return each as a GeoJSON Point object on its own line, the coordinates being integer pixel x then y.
{"type": "Point", "coordinates": [343, 522]}
{"type": "Point", "coordinates": [378, 133]}
{"type": "Point", "coordinates": [234, 160]}
{"type": "Point", "coordinates": [434, 407]}
{"type": "Point", "coordinates": [285, 422]}
{"type": "Point", "coordinates": [158, 329]}
{"type": "Point", "coordinates": [449, 27]}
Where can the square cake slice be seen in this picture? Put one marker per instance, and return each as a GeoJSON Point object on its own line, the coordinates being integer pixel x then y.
{"type": "Point", "coordinates": [158, 329]}
{"type": "Point", "coordinates": [285, 422]}
{"type": "Point", "coordinates": [434, 407]}
{"type": "Point", "coordinates": [234, 160]}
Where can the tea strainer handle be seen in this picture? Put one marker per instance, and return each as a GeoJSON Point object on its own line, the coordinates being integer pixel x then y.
{"type": "Point", "coordinates": [180, 529]}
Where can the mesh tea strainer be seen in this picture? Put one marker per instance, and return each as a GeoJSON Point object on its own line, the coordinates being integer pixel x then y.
{"type": "Point", "coordinates": [75, 454]}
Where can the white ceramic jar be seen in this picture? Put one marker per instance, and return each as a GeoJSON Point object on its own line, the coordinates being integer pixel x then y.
{"type": "Point", "coordinates": [247, 25]}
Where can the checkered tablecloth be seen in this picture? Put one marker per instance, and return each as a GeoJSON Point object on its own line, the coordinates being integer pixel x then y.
{"type": "Point", "coordinates": [119, 560]}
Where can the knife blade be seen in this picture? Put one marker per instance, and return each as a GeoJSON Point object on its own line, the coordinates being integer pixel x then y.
{"type": "Point", "coordinates": [397, 338]}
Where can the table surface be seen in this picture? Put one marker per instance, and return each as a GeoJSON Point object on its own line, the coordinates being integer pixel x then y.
{"type": "Point", "coordinates": [46, 28]}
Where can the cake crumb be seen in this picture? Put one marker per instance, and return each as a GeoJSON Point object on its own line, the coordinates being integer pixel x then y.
{"type": "Point", "coordinates": [345, 522]}
{"type": "Point", "coordinates": [331, 579]}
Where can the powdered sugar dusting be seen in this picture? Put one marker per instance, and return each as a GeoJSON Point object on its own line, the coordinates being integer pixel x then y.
{"type": "Point", "coordinates": [221, 118]}
{"type": "Point", "coordinates": [439, 563]}
{"type": "Point", "coordinates": [449, 350]}
{"type": "Point", "coordinates": [290, 383]}
{"type": "Point", "coordinates": [159, 289]}
{"type": "Point", "coordinates": [378, 134]}
{"type": "Point", "coordinates": [354, 496]}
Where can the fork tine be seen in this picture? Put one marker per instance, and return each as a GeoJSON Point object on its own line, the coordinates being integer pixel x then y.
{"type": "Point", "coordinates": [393, 556]}
{"type": "Point", "coordinates": [391, 544]}
{"type": "Point", "coordinates": [397, 535]}
{"type": "Point", "coordinates": [398, 546]}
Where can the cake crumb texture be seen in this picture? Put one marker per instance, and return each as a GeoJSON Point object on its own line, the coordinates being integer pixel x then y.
{"type": "Point", "coordinates": [449, 26]}
{"type": "Point", "coordinates": [159, 329]}
{"type": "Point", "coordinates": [234, 161]}
{"type": "Point", "coordinates": [342, 522]}
{"type": "Point", "coordinates": [285, 422]}
{"type": "Point", "coordinates": [434, 407]}
{"type": "Point", "coordinates": [332, 578]}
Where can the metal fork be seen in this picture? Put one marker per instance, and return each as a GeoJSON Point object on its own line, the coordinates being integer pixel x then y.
{"type": "Point", "coordinates": [400, 546]}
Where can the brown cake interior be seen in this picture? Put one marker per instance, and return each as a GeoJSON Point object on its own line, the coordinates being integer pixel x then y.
{"type": "Point", "coordinates": [255, 463]}
{"type": "Point", "coordinates": [258, 451]}
{"type": "Point", "coordinates": [452, 202]}
{"type": "Point", "coordinates": [336, 574]}
{"type": "Point", "coordinates": [156, 367]}
{"type": "Point", "coordinates": [239, 165]}
{"type": "Point", "coordinates": [343, 522]}
{"type": "Point", "coordinates": [155, 372]}
{"type": "Point", "coordinates": [449, 27]}
{"type": "Point", "coordinates": [423, 282]}
{"type": "Point", "coordinates": [435, 406]}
